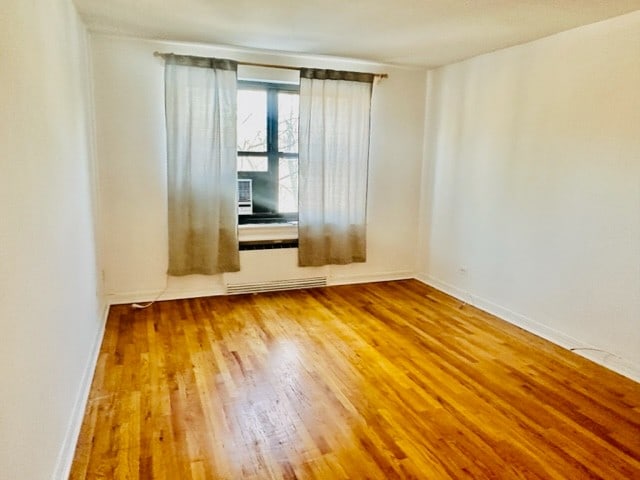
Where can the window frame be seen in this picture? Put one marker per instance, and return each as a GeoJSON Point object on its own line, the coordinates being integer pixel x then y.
{"type": "Point", "coordinates": [271, 176]}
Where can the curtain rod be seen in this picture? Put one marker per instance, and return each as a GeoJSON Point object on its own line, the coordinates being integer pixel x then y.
{"type": "Point", "coordinates": [268, 65]}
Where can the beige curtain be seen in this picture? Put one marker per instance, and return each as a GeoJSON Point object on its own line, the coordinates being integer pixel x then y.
{"type": "Point", "coordinates": [200, 102]}
{"type": "Point", "coordinates": [334, 153]}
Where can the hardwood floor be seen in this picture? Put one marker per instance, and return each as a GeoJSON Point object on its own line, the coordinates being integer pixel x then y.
{"type": "Point", "coordinates": [380, 381]}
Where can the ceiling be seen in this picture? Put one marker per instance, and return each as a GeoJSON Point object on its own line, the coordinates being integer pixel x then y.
{"type": "Point", "coordinates": [409, 32]}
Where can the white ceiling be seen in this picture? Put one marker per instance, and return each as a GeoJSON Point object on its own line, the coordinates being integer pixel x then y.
{"type": "Point", "coordinates": [411, 32]}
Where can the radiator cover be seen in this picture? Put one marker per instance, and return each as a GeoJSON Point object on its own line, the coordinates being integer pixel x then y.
{"type": "Point", "coordinates": [276, 285]}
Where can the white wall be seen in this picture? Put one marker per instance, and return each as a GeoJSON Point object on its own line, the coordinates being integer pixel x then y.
{"type": "Point", "coordinates": [50, 312]}
{"type": "Point", "coordinates": [533, 174]}
{"type": "Point", "coordinates": [131, 154]}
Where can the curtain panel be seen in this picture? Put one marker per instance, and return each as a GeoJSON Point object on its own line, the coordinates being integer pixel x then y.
{"type": "Point", "coordinates": [200, 105]}
{"type": "Point", "coordinates": [333, 164]}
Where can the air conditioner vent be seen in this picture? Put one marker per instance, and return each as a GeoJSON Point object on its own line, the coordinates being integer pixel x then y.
{"type": "Point", "coordinates": [276, 285]}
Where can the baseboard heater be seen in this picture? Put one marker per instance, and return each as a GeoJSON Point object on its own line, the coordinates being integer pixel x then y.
{"type": "Point", "coordinates": [276, 285]}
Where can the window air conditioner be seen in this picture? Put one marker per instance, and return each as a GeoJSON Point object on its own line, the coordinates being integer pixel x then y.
{"type": "Point", "coordinates": [245, 196]}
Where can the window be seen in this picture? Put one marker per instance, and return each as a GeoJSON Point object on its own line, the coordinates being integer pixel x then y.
{"type": "Point", "coordinates": [268, 149]}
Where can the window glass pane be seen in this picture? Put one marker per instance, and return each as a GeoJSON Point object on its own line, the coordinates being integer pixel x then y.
{"type": "Point", "coordinates": [288, 112]}
{"type": "Point", "coordinates": [288, 185]}
{"type": "Point", "coordinates": [252, 121]}
{"type": "Point", "coordinates": [252, 164]}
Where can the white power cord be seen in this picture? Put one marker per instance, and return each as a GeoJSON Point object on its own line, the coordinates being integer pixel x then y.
{"type": "Point", "coordinates": [148, 304]}
{"type": "Point", "coordinates": [589, 349]}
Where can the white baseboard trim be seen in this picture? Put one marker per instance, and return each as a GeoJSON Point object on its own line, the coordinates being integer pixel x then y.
{"type": "Point", "coordinates": [369, 278]}
{"type": "Point", "coordinates": [610, 361]}
{"type": "Point", "coordinates": [65, 456]}
{"type": "Point", "coordinates": [149, 296]}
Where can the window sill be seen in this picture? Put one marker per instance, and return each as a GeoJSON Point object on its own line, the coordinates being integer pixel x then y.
{"type": "Point", "coordinates": [258, 232]}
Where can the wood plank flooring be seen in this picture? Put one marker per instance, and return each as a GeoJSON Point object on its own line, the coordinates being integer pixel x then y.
{"type": "Point", "coordinates": [378, 381]}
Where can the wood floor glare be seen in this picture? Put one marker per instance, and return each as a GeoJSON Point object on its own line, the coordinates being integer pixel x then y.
{"type": "Point", "coordinates": [391, 380]}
